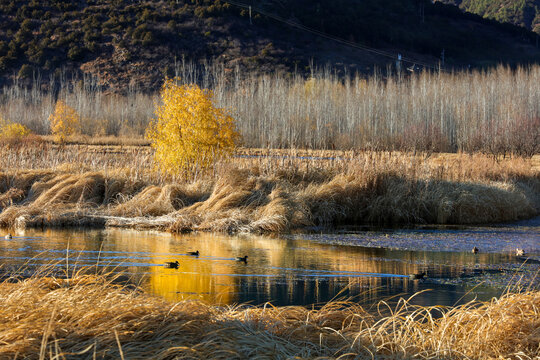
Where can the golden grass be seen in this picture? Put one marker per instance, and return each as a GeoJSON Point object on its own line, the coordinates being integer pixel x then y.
{"type": "Point", "coordinates": [89, 317]}
{"type": "Point", "coordinates": [100, 140]}
{"type": "Point", "coordinates": [536, 163]}
{"type": "Point", "coordinates": [262, 190]}
{"type": "Point", "coordinates": [160, 200]}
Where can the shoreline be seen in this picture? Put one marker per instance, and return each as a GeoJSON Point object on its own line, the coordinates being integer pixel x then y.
{"type": "Point", "coordinates": [65, 204]}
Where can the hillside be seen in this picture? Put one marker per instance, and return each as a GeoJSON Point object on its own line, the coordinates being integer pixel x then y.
{"type": "Point", "coordinates": [136, 43]}
{"type": "Point", "coordinates": [525, 13]}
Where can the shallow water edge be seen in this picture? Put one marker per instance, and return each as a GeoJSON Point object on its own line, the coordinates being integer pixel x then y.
{"type": "Point", "coordinates": [295, 269]}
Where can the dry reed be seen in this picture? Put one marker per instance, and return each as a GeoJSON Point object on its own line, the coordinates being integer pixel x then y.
{"type": "Point", "coordinates": [494, 111]}
{"type": "Point", "coordinates": [88, 316]}
{"type": "Point", "coordinates": [276, 192]}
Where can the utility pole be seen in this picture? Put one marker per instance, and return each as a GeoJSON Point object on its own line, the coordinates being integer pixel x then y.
{"type": "Point", "coordinates": [250, 23]}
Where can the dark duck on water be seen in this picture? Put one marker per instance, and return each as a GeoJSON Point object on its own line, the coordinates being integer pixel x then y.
{"type": "Point", "coordinates": [418, 276]}
{"type": "Point", "coordinates": [172, 265]}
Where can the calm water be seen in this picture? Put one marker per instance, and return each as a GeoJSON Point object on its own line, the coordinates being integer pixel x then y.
{"type": "Point", "coordinates": [296, 269]}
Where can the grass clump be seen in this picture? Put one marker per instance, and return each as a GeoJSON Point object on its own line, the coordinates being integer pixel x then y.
{"type": "Point", "coordinates": [280, 192]}
{"type": "Point", "coordinates": [244, 201]}
{"type": "Point", "coordinates": [89, 316]}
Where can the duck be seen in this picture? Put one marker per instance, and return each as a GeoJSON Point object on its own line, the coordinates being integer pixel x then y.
{"type": "Point", "coordinates": [172, 265]}
{"type": "Point", "coordinates": [193, 253]}
{"type": "Point", "coordinates": [520, 252]}
{"type": "Point", "coordinates": [8, 237]}
{"type": "Point", "coordinates": [474, 250]}
{"type": "Point", "coordinates": [418, 276]}
{"type": "Point", "coordinates": [243, 259]}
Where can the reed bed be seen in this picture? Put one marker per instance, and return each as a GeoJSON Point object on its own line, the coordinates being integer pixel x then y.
{"type": "Point", "coordinates": [88, 316]}
{"type": "Point", "coordinates": [493, 111]}
{"type": "Point", "coordinates": [262, 190]}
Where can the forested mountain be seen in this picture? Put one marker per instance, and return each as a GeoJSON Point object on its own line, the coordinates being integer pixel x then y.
{"type": "Point", "coordinates": [525, 13]}
{"type": "Point", "coordinates": [137, 42]}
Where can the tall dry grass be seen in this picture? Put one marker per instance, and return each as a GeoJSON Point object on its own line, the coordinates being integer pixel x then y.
{"type": "Point", "coordinates": [369, 188]}
{"type": "Point", "coordinates": [88, 316]}
{"type": "Point", "coordinates": [494, 111]}
{"type": "Point", "coordinates": [102, 113]}
{"type": "Point", "coordinates": [277, 191]}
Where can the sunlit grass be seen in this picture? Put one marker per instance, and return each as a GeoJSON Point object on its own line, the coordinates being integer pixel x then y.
{"type": "Point", "coordinates": [261, 190]}
{"type": "Point", "coordinates": [90, 316]}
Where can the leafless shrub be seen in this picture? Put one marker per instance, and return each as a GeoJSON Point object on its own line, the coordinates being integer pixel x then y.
{"type": "Point", "coordinates": [494, 111]}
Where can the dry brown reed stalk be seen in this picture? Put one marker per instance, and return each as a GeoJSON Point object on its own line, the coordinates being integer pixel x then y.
{"type": "Point", "coordinates": [100, 140]}
{"type": "Point", "coordinates": [130, 162]}
{"type": "Point", "coordinates": [88, 316]}
{"type": "Point", "coordinates": [277, 192]}
{"type": "Point", "coordinates": [157, 201]}
{"type": "Point", "coordinates": [495, 111]}
{"type": "Point", "coordinates": [57, 198]}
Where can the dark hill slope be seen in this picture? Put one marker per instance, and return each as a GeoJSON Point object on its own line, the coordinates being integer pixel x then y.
{"type": "Point", "coordinates": [525, 13]}
{"type": "Point", "coordinates": [125, 42]}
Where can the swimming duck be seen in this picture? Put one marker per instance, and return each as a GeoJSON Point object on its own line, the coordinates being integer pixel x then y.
{"type": "Point", "coordinates": [193, 253]}
{"type": "Point", "coordinates": [243, 259]}
{"type": "Point", "coordinates": [474, 250]}
{"type": "Point", "coordinates": [172, 265]}
{"type": "Point", "coordinates": [8, 236]}
{"type": "Point", "coordinates": [520, 252]}
{"type": "Point", "coordinates": [418, 276]}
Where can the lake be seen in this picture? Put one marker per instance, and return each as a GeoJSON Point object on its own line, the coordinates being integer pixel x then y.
{"type": "Point", "coordinates": [296, 269]}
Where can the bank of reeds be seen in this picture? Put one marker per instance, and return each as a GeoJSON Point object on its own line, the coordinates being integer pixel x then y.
{"type": "Point", "coordinates": [275, 191]}
{"type": "Point", "coordinates": [494, 111]}
{"type": "Point", "coordinates": [88, 317]}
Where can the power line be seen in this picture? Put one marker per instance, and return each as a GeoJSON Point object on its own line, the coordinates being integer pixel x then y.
{"type": "Point", "coordinates": [331, 37]}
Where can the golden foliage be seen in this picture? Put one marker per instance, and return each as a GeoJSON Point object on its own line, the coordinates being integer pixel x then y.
{"type": "Point", "coordinates": [11, 130]}
{"type": "Point", "coordinates": [189, 132]}
{"type": "Point", "coordinates": [65, 121]}
{"type": "Point", "coordinates": [316, 87]}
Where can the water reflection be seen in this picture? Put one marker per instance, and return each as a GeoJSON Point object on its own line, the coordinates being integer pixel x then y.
{"type": "Point", "coordinates": [283, 271]}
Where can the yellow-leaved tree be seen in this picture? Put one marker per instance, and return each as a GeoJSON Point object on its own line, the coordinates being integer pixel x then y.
{"type": "Point", "coordinates": [189, 132]}
{"type": "Point", "coordinates": [65, 121]}
{"type": "Point", "coordinates": [12, 131]}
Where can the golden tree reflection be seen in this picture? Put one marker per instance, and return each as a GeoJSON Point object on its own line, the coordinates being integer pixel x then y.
{"type": "Point", "coordinates": [281, 270]}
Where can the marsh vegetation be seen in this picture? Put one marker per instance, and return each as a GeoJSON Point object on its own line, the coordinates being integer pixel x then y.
{"type": "Point", "coordinates": [46, 316]}
{"type": "Point", "coordinates": [278, 191]}
{"type": "Point", "coordinates": [391, 168]}
{"type": "Point", "coordinates": [318, 153]}
{"type": "Point", "coordinates": [495, 111]}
